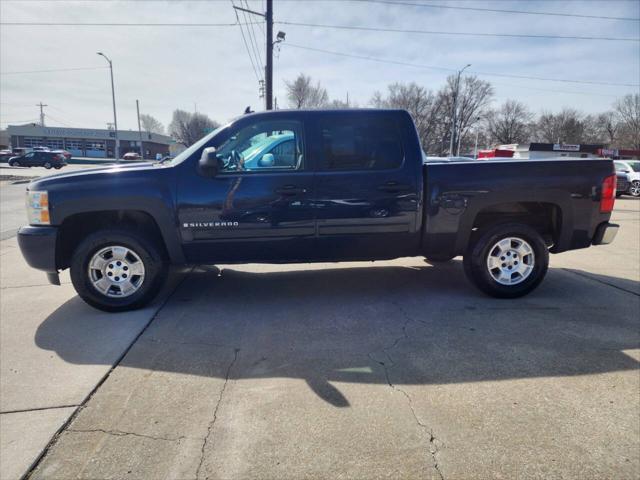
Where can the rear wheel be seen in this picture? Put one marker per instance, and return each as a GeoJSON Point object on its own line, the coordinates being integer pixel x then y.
{"type": "Point", "coordinates": [58, 167]}
{"type": "Point", "coordinates": [116, 270]}
{"type": "Point", "coordinates": [507, 261]}
{"type": "Point", "coordinates": [634, 189]}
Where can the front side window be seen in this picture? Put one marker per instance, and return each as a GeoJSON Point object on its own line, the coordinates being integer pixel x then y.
{"type": "Point", "coordinates": [635, 166]}
{"type": "Point", "coordinates": [372, 143]}
{"type": "Point", "coordinates": [263, 147]}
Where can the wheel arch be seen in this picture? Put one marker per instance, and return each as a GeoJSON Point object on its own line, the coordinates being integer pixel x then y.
{"type": "Point", "coordinates": [74, 228]}
{"type": "Point", "coordinates": [548, 218]}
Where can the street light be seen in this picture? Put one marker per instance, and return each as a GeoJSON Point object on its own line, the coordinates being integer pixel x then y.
{"type": "Point", "coordinates": [113, 97]}
{"type": "Point", "coordinates": [455, 110]}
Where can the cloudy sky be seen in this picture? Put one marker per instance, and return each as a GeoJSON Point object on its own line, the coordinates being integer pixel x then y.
{"type": "Point", "coordinates": [208, 68]}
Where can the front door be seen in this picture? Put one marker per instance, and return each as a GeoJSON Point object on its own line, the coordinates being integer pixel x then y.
{"type": "Point", "coordinates": [257, 208]}
{"type": "Point", "coordinates": [367, 185]}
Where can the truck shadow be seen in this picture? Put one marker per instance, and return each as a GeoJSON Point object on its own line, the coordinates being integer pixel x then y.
{"type": "Point", "coordinates": [400, 325]}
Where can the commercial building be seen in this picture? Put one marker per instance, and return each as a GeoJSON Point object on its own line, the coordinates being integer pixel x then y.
{"type": "Point", "coordinates": [87, 142]}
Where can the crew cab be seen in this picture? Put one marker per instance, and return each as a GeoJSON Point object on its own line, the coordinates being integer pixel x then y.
{"type": "Point", "coordinates": [313, 186]}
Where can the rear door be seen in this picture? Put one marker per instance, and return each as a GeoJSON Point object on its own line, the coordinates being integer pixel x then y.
{"type": "Point", "coordinates": [367, 184]}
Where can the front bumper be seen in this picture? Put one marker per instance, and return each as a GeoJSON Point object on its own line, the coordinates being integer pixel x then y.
{"type": "Point", "coordinates": [38, 247]}
{"type": "Point", "coordinates": [605, 233]}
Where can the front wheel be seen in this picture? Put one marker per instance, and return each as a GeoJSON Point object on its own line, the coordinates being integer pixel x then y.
{"type": "Point", "coordinates": [14, 164]}
{"type": "Point", "coordinates": [634, 189]}
{"type": "Point", "coordinates": [117, 270]}
{"type": "Point", "coordinates": [47, 165]}
{"type": "Point", "coordinates": [507, 261]}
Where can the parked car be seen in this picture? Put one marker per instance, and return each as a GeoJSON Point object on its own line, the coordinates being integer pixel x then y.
{"type": "Point", "coordinates": [622, 183]}
{"type": "Point", "coordinates": [17, 151]}
{"type": "Point", "coordinates": [5, 155]}
{"type": "Point", "coordinates": [632, 169]}
{"type": "Point", "coordinates": [39, 159]}
{"type": "Point", "coordinates": [64, 153]}
{"type": "Point", "coordinates": [131, 156]}
{"type": "Point", "coordinates": [356, 190]}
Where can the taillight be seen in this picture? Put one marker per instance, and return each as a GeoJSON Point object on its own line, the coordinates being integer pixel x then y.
{"type": "Point", "coordinates": [608, 196]}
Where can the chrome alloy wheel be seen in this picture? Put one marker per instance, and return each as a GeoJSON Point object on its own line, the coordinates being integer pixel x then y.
{"type": "Point", "coordinates": [116, 271]}
{"type": "Point", "coordinates": [634, 189]}
{"type": "Point", "coordinates": [510, 261]}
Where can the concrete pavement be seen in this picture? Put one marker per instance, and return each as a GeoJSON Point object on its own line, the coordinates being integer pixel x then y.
{"type": "Point", "coordinates": [357, 370]}
{"type": "Point", "coordinates": [39, 389]}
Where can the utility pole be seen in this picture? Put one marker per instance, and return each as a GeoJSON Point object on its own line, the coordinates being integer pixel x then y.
{"type": "Point", "coordinates": [113, 98]}
{"type": "Point", "coordinates": [139, 129]}
{"type": "Point", "coordinates": [42, 105]}
{"type": "Point", "coordinates": [269, 64]}
{"type": "Point", "coordinates": [454, 114]}
{"type": "Point", "coordinates": [268, 69]}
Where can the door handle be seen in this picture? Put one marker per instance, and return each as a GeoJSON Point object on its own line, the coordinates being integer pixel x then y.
{"type": "Point", "coordinates": [394, 187]}
{"type": "Point", "coordinates": [290, 190]}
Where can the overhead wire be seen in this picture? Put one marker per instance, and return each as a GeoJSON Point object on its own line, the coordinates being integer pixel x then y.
{"type": "Point", "coordinates": [495, 10]}
{"type": "Point", "coordinates": [463, 34]}
{"type": "Point", "coordinates": [434, 67]}
{"type": "Point", "coordinates": [246, 46]}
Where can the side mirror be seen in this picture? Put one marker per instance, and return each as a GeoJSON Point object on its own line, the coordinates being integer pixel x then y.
{"type": "Point", "coordinates": [208, 164]}
{"type": "Point", "coordinates": [267, 160]}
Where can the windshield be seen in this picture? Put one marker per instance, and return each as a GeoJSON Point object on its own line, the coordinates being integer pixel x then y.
{"type": "Point", "coordinates": [181, 157]}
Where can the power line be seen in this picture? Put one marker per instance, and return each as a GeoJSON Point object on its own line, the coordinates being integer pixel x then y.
{"type": "Point", "coordinates": [92, 24]}
{"type": "Point", "coordinates": [246, 46]}
{"type": "Point", "coordinates": [54, 70]}
{"type": "Point", "coordinates": [496, 10]}
{"type": "Point", "coordinates": [252, 40]}
{"type": "Point", "coordinates": [468, 34]}
{"type": "Point", "coordinates": [432, 67]}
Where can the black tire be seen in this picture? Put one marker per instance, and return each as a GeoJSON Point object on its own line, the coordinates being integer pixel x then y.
{"type": "Point", "coordinates": [47, 165]}
{"type": "Point", "coordinates": [619, 194]}
{"type": "Point", "coordinates": [475, 260]}
{"type": "Point", "coordinates": [58, 167]}
{"type": "Point", "coordinates": [439, 258]}
{"type": "Point", "coordinates": [151, 255]}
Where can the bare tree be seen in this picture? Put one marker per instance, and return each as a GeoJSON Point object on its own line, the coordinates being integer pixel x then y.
{"type": "Point", "coordinates": [628, 111]}
{"type": "Point", "coordinates": [567, 126]}
{"type": "Point", "coordinates": [510, 123]}
{"type": "Point", "coordinates": [420, 102]}
{"type": "Point", "coordinates": [301, 93]}
{"type": "Point", "coordinates": [187, 128]}
{"type": "Point", "coordinates": [151, 124]}
{"type": "Point", "coordinates": [474, 98]}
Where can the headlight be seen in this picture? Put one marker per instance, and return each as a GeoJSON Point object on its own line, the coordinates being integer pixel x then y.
{"type": "Point", "coordinates": [38, 208]}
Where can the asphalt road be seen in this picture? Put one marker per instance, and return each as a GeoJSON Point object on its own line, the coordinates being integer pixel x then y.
{"type": "Point", "coordinates": [393, 369]}
{"type": "Point", "coordinates": [12, 196]}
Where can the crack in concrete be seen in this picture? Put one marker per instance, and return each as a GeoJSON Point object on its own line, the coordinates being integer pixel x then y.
{"type": "Point", "coordinates": [433, 441]}
{"type": "Point", "coordinates": [215, 413]}
{"type": "Point", "coordinates": [121, 433]}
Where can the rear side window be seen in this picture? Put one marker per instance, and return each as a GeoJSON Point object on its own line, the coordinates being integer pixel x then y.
{"type": "Point", "coordinates": [366, 143]}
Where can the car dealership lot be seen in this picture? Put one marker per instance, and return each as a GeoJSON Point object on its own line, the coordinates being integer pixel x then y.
{"type": "Point", "coordinates": [355, 370]}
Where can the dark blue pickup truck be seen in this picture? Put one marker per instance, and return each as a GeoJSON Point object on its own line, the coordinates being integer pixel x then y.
{"type": "Point", "coordinates": [312, 186]}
